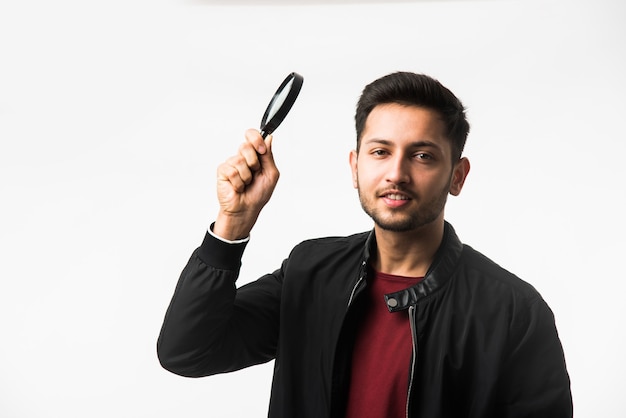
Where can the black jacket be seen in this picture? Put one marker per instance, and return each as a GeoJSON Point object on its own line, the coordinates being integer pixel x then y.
{"type": "Point", "coordinates": [485, 342]}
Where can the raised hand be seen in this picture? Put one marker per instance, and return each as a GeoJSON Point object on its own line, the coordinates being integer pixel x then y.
{"type": "Point", "coordinates": [245, 183]}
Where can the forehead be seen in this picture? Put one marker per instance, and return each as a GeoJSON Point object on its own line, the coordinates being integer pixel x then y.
{"type": "Point", "coordinates": [397, 118]}
{"type": "Point", "coordinates": [401, 124]}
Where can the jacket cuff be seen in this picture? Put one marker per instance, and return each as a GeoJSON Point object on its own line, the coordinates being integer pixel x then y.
{"type": "Point", "coordinates": [221, 255]}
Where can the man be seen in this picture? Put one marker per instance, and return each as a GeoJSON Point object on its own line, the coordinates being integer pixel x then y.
{"type": "Point", "coordinates": [403, 321]}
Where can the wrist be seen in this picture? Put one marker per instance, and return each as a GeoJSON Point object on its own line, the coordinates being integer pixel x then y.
{"type": "Point", "coordinates": [232, 227]}
{"type": "Point", "coordinates": [227, 241]}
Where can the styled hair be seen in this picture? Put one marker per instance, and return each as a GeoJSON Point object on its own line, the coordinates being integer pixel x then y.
{"type": "Point", "coordinates": [419, 90]}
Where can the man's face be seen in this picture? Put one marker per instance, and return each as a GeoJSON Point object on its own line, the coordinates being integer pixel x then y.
{"type": "Point", "coordinates": [403, 170]}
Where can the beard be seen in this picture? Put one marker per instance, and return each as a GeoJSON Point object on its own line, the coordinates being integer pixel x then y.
{"type": "Point", "coordinates": [401, 219]}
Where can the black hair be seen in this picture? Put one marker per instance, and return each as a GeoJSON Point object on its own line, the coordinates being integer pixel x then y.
{"type": "Point", "coordinates": [419, 90]}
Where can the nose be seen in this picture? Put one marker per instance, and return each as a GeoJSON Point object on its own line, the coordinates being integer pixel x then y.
{"type": "Point", "coordinates": [398, 172]}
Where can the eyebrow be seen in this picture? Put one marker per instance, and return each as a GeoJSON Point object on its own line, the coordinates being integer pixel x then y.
{"type": "Point", "coordinates": [415, 144]}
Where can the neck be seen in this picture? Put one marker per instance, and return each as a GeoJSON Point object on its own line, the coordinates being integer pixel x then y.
{"type": "Point", "coordinates": [407, 253]}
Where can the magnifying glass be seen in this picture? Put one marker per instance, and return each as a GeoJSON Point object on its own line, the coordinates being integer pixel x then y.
{"type": "Point", "coordinates": [281, 103]}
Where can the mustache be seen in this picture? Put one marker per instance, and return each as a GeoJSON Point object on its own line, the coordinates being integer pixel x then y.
{"type": "Point", "coordinates": [396, 189]}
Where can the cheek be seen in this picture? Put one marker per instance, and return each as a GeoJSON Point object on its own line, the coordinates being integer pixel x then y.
{"type": "Point", "coordinates": [434, 183]}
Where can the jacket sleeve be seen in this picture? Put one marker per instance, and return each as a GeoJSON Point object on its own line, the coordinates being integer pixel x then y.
{"type": "Point", "coordinates": [535, 382]}
{"type": "Point", "coordinates": [211, 326]}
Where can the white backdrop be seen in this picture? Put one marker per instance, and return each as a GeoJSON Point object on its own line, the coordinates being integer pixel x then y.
{"type": "Point", "coordinates": [114, 116]}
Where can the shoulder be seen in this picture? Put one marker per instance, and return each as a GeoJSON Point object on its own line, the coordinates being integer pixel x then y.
{"type": "Point", "coordinates": [333, 244]}
{"type": "Point", "coordinates": [496, 294]}
{"type": "Point", "coordinates": [328, 248]}
{"type": "Point", "coordinates": [488, 276]}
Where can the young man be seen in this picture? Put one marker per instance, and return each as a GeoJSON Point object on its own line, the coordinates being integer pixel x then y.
{"type": "Point", "coordinates": [403, 321]}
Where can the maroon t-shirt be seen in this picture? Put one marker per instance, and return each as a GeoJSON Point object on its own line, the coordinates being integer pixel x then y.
{"type": "Point", "coordinates": [382, 353]}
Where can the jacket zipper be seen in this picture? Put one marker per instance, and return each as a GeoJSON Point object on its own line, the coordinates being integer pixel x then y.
{"type": "Point", "coordinates": [414, 359]}
{"type": "Point", "coordinates": [358, 282]}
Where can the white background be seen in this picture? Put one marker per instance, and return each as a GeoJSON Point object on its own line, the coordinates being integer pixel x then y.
{"type": "Point", "coordinates": [114, 116]}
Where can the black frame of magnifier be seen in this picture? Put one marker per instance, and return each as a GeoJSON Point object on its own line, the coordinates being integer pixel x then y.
{"type": "Point", "coordinates": [268, 126]}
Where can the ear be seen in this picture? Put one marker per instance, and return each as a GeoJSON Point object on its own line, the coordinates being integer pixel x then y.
{"type": "Point", "coordinates": [353, 167]}
{"type": "Point", "coordinates": [459, 174]}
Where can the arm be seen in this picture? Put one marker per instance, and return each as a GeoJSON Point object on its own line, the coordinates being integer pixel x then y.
{"type": "Point", "coordinates": [210, 325]}
{"type": "Point", "coordinates": [535, 381]}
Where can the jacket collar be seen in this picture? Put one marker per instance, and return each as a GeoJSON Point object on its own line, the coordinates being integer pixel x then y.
{"type": "Point", "coordinates": [437, 275]}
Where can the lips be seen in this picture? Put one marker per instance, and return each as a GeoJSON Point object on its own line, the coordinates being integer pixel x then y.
{"type": "Point", "coordinates": [395, 198]}
{"type": "Point", "coordinates": [395, 194]}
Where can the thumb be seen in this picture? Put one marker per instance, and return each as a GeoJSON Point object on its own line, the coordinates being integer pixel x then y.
{"type": "Point", "coordinates": [268, 156]}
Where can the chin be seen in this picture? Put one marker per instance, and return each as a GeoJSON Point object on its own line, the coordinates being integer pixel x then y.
{"type": "Point", "coordinates": [406, 223]}
{"type": "Point", "coordinates": [396, 225]}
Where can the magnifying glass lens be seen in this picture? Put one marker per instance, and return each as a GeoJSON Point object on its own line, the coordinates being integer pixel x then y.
{"type": "Point", "coordinates": [281, 103]}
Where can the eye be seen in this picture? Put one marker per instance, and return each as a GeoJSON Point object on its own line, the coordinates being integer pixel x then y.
{"type": "Point", "coordinates": [379, 152]}
{"type": "Point", "coordinates": [423, 156]}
